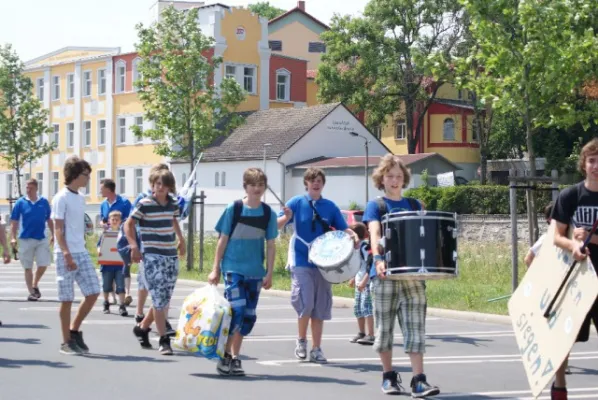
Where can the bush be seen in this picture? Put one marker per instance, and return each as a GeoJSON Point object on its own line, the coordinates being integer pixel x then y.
{"type": "Point", "coordinates": [476, 199]}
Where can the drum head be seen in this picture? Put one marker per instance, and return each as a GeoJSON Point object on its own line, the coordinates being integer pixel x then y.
{"type": "Point", "coordinates": [346, 271]}
{"type": "Point", "coordinates": [334, 254]}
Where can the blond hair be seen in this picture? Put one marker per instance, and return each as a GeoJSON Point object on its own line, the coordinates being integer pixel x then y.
{"type": "Point", "coordinates": [387, 163]}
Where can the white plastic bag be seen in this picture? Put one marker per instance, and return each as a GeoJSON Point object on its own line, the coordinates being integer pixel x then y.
{"type": "Point", "coordinates": [204, 323]}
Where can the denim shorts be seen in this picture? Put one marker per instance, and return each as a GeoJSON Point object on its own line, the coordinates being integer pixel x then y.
{"type": "Point", "coordinates": [110, 276]}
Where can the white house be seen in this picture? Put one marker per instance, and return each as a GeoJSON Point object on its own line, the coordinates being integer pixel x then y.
{"type": "Point", "coordinates": [276, 140]}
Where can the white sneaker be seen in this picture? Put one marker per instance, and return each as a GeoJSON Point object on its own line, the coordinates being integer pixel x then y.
{"type": "Point", "coordinates": [316, 356]}
{"type": "Point", "coordinates": [301, 349]}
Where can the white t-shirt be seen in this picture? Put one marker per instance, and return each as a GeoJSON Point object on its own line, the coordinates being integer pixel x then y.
{"type": "Point", "coordinates": [70, 207]}
{"type": "Point", "coordinates": [536, 247]}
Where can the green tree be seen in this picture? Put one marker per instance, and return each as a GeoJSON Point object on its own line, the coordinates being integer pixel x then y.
{"type": "Point", "coordinates": [537, 57]}
{"type": "Point", "coordinates": [23, 120]}
{"type": "Point", "coordinates": [381, 63]}
{"type": "Point", "coordinates": [176, 88]}
{"type": "Point", "coordinates": [266, 10]}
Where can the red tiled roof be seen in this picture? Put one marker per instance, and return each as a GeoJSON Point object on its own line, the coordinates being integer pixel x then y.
{"type": "Point", "coordinates": [312, 73]}
{"type": "Point", "coordinates": [359, 161]}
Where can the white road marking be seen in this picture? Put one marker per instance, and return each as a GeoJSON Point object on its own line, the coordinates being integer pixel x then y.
{"type": "Point", "coordinates": [526, 392]}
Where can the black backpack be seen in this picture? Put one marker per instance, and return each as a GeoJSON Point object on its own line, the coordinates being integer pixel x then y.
{"type": "Point", "coordinates": [261, 222]}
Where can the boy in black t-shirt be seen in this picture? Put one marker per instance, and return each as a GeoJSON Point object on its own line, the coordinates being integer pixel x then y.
{"type": "Point", "coordinates": [578, 206]}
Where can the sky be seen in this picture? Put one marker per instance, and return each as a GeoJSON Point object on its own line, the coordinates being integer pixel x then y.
{"type": "Point", "coordinates": [38, 27]}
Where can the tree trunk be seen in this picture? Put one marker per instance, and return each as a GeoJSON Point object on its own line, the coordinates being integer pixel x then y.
{"type": "Point", "coordinates": [533, 215]}
{"type": "Point", "coordinates": [191, 223]}
{"type": "Point", "coordinates": [411, 138]}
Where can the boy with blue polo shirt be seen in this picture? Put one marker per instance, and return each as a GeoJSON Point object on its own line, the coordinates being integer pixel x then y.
{"type": "Point", "coordinates": [311, 295]}
{"type": "Point", "coordinates": [240, 256]}
{"type": "Point", "coordinates": [32, 212]}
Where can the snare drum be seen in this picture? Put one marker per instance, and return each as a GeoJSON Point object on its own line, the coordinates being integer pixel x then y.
{"type": "Point", "coordinates": [335, 256]}
{"type": "Point", "coordinates": [420, 245]}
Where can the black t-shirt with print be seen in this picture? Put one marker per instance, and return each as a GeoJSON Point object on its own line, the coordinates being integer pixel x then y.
{"type": "Point", "coordinates": [577, 206]}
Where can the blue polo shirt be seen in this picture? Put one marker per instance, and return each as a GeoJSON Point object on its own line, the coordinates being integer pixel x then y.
{"type": "Point", "coordinates": [308, 228]}
{"type": "Point", "coordinates": [120, 204]}
{"type": "Point", "coordinates": [32, 217]}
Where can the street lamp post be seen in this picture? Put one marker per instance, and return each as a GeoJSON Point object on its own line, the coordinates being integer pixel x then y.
{"type": "Point", "coordinates": [367, 163]}
{"type": "Point", "coordinates": [265, 147]}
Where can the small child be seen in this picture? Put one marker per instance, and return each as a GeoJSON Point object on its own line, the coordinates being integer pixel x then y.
{"type": "Point", "coordinates": [533, 251]}
{"type": "Point", "coordinates": [363, 297]}
{"type": "Point", "coordinates": [240, 257]}
{"type": "Point", "coordinates": [113, 275]}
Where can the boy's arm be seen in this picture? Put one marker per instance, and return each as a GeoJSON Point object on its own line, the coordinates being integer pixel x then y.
{"type": "Point", "coordinates": [529, 258]}
{"type": "Point", "coordinates": [270, 255]}
{"type": "Point", "coordinates": [220, 248]}
{"type": "Point", "coordinates": [179, 234]}
{"type": "Point", "coordinates": [561, 240]}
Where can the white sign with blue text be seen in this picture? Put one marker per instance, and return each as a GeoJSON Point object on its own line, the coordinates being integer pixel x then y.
{"type": "Point", "coordinates": [544, 343]}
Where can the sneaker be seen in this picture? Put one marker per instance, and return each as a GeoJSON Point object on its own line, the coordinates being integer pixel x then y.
{"type": "Point", "coordinates": [139, 318]}
{"type": "Point", "coordinates": [357, 337]}
{"type": "Point", "coordinates": [165, 348]}
{"type": "Point", "coordinates": [223, 366]}
{"type": "Point", "coordinates": [70, 348]}
{"type": "Point", "coordinates": [143, 336]}
{"type": "Point", "coordinates": [128, 300]}
{"type": "Point", "coordinates": [316, 356]}
{"type": "Point", "coordinates": [367, 340]}
{"type": "Point", "coordinates": [122, 310]}
{"type": "Point", "coordinates": [77, 336]}
{"type": "Point", "coordinates": [106, 307]}
{"type": "Point", "coordinates": [31, 297]}
{"type": "Point", "coordinates": [391, 383]}
{"type": "Point", "coordinates": [235, 368]}
{"type": "Point", "coordinates": [420, 388]}
{"type": "Point", "coordinates": [558, 393]}
{"type": "Point", "coordinates": [37, 293]}
{"type": "Point", "coordinates": [301, 349]}
{"type": "Point", "coordinates": [169, 330]}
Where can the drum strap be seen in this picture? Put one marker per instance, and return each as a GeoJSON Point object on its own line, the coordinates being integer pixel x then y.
{"type": "Point", "coordinates": [317, 217]}
{"type": "Point", "coordinates": [383, 209]}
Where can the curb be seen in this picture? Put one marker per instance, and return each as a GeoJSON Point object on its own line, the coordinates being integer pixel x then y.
{"type": "Point", "coordinates": [345, 302]}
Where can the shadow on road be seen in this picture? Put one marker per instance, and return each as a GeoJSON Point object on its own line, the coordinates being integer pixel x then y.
{"type": "Point", "coordinates": [112, 357]}
{"type": "Point", "coordinates": [24, 326]}
{"type": "Point", "coordinates": [6, 363]}
{"type": "Point", "coordinates": [21, 341]}
{"type": "Point", "coordinates": [458, 339]}
{"type": "Point", "coordinates": [282, 378]}
{"type": "Point", "coordinates": [583, 371]}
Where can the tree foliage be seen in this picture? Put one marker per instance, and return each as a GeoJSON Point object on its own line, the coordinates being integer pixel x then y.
{"type": "Point", "coordinates": [381, 63]}
{"type": "Point", "coordinates": [23, 120]}
{"type": "Point", "coordinates": [266, 10]}
{"type": "Point", "coordinates": [176, 87]}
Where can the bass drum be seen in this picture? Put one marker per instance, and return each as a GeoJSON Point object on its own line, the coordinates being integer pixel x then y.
{"type": "Point", "coordinates": [420, 245]}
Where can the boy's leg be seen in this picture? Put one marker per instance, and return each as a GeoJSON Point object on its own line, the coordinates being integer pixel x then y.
{"type": "Point", "coordinates": [322, 312]}
{"type": "Point", "coordinates": [88, 282]}
{"type": "Point", "coordinates": [26, 256]}
{"type": "Point", "coordinates": [302, 300]}
{"type": "Point", "coordinates": [119, 279]}
{"type": "Point", "coordinates": [66, 295]}
{"type": "Point", "coordinates": [43, 258]}
{"type": "Point", "coordinates": [358, 316]}
{"type": "Point", "coordinates": [107, 279]}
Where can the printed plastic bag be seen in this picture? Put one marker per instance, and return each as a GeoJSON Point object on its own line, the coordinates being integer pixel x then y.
{"type": "Point", "coordinates": [204, 323]}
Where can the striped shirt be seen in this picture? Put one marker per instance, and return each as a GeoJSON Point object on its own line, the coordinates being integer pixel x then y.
{"type": "Point", "coordinates": [156, 226]}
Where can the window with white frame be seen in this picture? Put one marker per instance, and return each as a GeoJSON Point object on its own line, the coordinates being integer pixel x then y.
{"type": "Point", "coordinates": [138, 180]}
{"type": "Point", "coordinates": [122, 130]}
{"type": "Point", "coordinates": [101, 82]}
{"type": "Point", "coordinates": [55, 182]}
{"type": "Point", "coordinates": [70, 134]}
{"type": "Point", "coordinates": [136, 75]}
{"type": "Point", "coordinates": [10, 185]}
{"type": "Point", "coordinates": [230, 71]}
{"type": "Point", "coordinates": [101, 132]}
{"type": "Point", "coordinates": [87, 133]}
{"type": "Point", "coordinates": [40, 89]}
{"type": "Point", "coordinates": [101, 175]}
{"type": "Point", "coordinates": [55, 88]}
{"type": "Point", "coordinates": [70, 86]}
{"type": "Point", "coordinates": [121, 72]}
{"type": "Point", "coordinates": [244, 75]}
{"type": "Point", "coordinates": [121, 180]}
{"type": "Point", "coordinates": [87, 83]}
{"type": "Point", "coordinates": [26, 177]}
{"type": "Point", "coordinates": [448, 129]}
{"type": "Point", "coordinates": [223, 178]}
{"type": "Point", "coordinates": [139, 123]}
{"type": "Point", "coordinates": [249, 80]}
{"type": "Point", "coordinates": [56, 135]}
{"type": "Point", "coordinates": [40, 182]}
{"type": "Point", "coordinates": [217, 179]}
{"type": "Point", "coordinates": [40, 140]}
{"type": "Point", "coordinates": [401, 130]}
{"type": "Point", "coordinates": [283, 85]}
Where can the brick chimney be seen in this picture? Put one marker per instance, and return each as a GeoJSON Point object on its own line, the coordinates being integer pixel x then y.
{"type": "Point", "coordinates": [301, 5]}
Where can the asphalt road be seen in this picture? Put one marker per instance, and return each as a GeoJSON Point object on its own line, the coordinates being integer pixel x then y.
{"type": "Point", "coordinates": [466, 360]}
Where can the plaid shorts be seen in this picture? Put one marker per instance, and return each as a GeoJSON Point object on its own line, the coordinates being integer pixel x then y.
{"type": "Point", "coordinates": [85, 275]}
{"type": "Point", "coordinates": [405, 300]}
{"type": "Point", "coordinates": [363, 303]}
{"type": "Point", "coordinates": [243, 294]}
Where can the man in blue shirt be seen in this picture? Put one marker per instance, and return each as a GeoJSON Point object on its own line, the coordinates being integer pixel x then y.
{"type": "Point", "coordinates": [311, 295]}
{"type": "Point", "coordinates": [32, 212]}
{"type": "Point", "coordinates": [115, 202]}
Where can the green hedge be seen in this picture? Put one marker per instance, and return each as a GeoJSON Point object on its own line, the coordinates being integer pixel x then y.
{"type": "Point", "coordinates": [476, 199]}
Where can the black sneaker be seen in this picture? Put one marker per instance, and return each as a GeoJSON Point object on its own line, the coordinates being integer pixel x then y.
{"type": "Point", "coordinates": [367, 340]}
{"type": "Point", "coordinates": [391, 383]}
{"type": "Point", "coordinates": [235, 368]}
{"type": "Point", "coordinates": [420, 388]}
{"type": "Point", "coordinates": [223, 366]}
{"type": "Point", "coordinates": [31, 297]}
{"type": "Point", "coordinates": [360, 335]}
{"type": "Point", "coordinates": [143, 336]}
{"type": "Point", "coordinates": [122, 310]}
{"type": "Point", "coordinates": [165, 348]}
{"type": "Point", "coordinates": [169, 330]}
{"type": "Point", "coordinates": [106, 307]}
{"type": "Point", "coordinates": [70, 348]}
{"type": "Point", "coordinates": [77, 336]}
{"type": "Point", "coordinates": [139, 318]}
{"type": "Point", "coordinates": [37, 293]}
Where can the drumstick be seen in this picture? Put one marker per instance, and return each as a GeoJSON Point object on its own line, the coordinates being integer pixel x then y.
{"type": "Point", "coordinates": [277, 198]}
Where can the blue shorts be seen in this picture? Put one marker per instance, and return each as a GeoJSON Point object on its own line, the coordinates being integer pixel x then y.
{"type": "Point", "coordinates": [113, 275]}
{"type": "Point", "coordinates": [243, 294]}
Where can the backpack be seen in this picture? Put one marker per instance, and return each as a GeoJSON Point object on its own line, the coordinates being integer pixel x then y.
{"type": "Point", "coordinates": [383, 209]}
{"type": "Point", "coordinates": [262, 221]}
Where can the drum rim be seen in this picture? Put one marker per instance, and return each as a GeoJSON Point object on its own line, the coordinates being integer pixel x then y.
{"type": "Point", "coordinates": [418, 268]}
{"type": "Point", "coordinates": [344, 238]}
{"type": "Point", "coordinates": [405, 218]}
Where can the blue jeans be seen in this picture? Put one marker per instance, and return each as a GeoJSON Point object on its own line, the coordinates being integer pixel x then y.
{"type": "Point", "coordinates": [113, 275]}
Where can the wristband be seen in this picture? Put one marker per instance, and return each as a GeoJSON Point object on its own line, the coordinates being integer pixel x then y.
{"type": "Point", "coordinates": [378, 257]}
